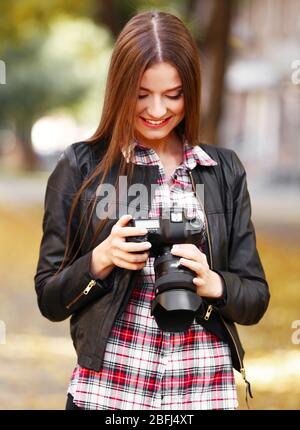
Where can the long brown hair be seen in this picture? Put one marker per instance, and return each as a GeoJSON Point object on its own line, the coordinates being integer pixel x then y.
{"type": "Point", "coordinates": [148, 38]}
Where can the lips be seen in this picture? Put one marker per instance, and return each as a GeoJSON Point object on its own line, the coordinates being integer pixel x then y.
{"type": "Point", "coordinates": [155, 124]}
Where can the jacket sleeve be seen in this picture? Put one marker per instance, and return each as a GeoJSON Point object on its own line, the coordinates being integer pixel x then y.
{"type": "Point", "coordinates": [247, 292]}
{"type": "Point", "coordinates": [61, 294]}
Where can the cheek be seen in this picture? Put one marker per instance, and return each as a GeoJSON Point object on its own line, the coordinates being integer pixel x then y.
{"type": "Point", "coordinates": [140, 107]}
{"type": "Point", "coordinates": [177, 108]}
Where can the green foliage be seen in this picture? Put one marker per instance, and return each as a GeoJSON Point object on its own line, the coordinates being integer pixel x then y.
{"type": "Point", "coordinates": [51, 70]}
{"type": "Point", "coordinates": [35, 86]}
{"type": "Point", "coordinates": [45, 71]}
{"type": "Point", "coordinates": [20, 20]}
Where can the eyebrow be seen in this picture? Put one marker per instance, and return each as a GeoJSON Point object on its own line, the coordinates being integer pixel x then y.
{"type": "Point", "coordinates": [171, 89]}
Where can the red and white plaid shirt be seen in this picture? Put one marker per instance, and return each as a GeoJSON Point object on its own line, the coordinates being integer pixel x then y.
{"type": "Point", "coordinates": [144, 367]}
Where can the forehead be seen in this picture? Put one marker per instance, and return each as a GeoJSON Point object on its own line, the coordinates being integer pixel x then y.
{"type": "Point", "coordinates": [160, 76]}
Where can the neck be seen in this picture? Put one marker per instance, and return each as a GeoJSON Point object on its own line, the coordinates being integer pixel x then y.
{"type": "Point", "coordinates": [168, 146]}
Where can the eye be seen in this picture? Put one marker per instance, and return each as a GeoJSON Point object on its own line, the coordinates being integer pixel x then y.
{"type": "Point", "coordinates": [169, 97]}
{"type": "Point", "coordinates": [175, 97]}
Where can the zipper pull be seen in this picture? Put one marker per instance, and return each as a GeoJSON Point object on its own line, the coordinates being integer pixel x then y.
{"type": "Point", "coordinates": [89, 287]}
{"type": "Point", "coordinates": [208, 312]}
{"type": "Point", "coordinates": [248, 386]}
{"type": "Point", "coordinates": [84, 292]}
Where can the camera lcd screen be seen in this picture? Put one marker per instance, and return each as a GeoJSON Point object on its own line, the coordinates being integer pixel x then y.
{"type": "Point", "coordinates": [147, 223]}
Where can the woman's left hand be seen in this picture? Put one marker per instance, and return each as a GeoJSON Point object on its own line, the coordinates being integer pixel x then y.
{"type": "Point", "coordinates": [207, 282]}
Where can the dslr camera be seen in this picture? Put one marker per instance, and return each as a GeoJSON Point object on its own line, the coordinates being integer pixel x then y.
{"type": "Point", "coordinates": [176, 301]}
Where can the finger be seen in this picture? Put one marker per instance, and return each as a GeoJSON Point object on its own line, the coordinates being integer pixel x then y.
{"type": "Point", "coordinates": [192, 253]}
{"type": "Point", "coordinates": [123, 220]}
{"type": "Point", "coordinates": [131, 257]}
{"type": "Point", "coordinates": [130, 266]}
{"type": "Point", "coordinates": [199, 282]}
{"type": "Point", "coordinates": [134, 247]}
{"type": "Point", "coordinates": [132, 231]}
{"type": "Point", "coordinates": [193, 265]}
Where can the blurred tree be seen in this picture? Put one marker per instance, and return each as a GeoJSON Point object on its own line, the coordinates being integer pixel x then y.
{"type": "Point", "coordinates": [39, 86]}
{"type": "Point", "coordinates": [210, 22]}
{"type": "Point", "coordinates": [20, 19]}
{"type": "Point", "coordinates": [35, 86]}
{"type": "Point", "coordinates": [113, 13]}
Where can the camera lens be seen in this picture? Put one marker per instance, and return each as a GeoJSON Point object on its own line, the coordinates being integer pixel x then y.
{"type": "Point", "coordinates": [168, 272]}
{"type": "Point", "coordinates": [175, 300]}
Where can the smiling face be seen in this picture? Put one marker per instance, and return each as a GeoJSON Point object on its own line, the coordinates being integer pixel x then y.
{"type": "Point", "coordinates": [160, 105]}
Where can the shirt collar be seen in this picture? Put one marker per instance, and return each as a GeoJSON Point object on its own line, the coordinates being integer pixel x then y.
{"type": "Point", "coordinates": [143, 155]}
{"type": "Point", "coordinates": [193, 155]}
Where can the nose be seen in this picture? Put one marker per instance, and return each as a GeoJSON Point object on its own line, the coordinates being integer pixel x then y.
{"type": "Point", "coordinates": [156, 108]}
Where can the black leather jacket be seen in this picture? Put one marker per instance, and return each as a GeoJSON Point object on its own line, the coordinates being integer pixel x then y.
{"type": "Point", "coordinates": [94, 304]}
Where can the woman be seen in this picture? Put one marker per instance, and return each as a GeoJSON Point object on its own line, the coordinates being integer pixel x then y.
{"type": "Point", "coordinates": [90, 269]}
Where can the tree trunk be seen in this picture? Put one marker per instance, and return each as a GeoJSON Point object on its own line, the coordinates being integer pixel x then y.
{"type": "Point", "coordinates": [113, 13]}
{"type": "Point", "coordinates": [214, 50]}
{"type": "Point", "coordinates": [28, 158]}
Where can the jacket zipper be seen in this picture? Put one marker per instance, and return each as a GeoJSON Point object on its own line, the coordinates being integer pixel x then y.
{"type": "Point", "coordinates": [242, 369]}
{"type": "Point", "coordinates": [210, 307]}
{"type": "Point", "coordinates": [205, 217]}
{"type": "Point", "coordinates": [83, 293]}
{"type": "Point", "coordinates": [208, 312]}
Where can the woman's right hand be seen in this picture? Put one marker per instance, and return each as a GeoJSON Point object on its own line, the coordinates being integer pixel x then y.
{"type": "Point", "coordinates": [115, 251]}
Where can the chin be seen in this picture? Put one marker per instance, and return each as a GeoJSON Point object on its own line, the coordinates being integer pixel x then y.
{"type": "Point", "coordinates": [154, 136]}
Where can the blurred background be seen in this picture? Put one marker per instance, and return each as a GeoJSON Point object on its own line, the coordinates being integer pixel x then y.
{"type": "Point", "coordinates": [54, 58]}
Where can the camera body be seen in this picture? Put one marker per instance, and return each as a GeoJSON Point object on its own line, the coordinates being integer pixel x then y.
{"type": "Point", "coordinates": [176, 301]}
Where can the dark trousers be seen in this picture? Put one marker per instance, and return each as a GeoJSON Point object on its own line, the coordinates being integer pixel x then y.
{"type": "Point", "coordinates": [70, 405]}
